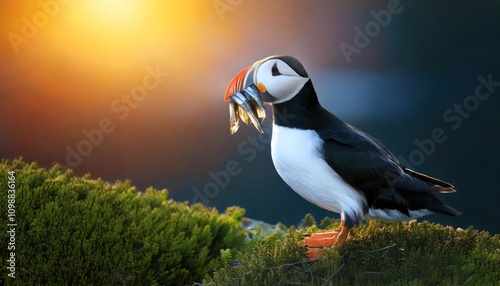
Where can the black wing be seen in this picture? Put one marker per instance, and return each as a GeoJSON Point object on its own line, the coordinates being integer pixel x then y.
{"type": "Point", "coordinates": [364, 162]}
{"type": "Point", "coordinates": [367, 165]}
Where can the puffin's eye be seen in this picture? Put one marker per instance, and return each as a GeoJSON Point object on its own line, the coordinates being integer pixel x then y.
{"type": "Point", "coordinates": [274, 70]}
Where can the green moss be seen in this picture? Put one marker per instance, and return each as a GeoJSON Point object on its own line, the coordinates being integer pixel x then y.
{"type": "Point", "coordinates": [406, 253]}
{"type": "Point", "coordinates": [79, 231]}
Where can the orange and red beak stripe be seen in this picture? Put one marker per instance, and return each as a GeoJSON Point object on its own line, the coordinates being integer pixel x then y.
{"type": "Point", "coordinates": [237, 83]}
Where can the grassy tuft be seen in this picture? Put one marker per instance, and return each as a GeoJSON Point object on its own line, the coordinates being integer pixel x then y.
{"type": "Point", "coordinates": [406, 253]}
{"type": "Point", "coordinates": [80, 231]}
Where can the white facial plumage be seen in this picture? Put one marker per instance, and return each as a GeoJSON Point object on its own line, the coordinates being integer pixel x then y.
{"type": "Point", "coordinates": [279, 79]}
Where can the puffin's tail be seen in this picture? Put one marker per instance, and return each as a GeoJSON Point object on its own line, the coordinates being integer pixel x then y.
{"type": "Point", "coordinates": [419, 201]}
{"type": "Point", "coordinates": [426, 199]}
{"type": "Point", "coordinates": [439, 185]}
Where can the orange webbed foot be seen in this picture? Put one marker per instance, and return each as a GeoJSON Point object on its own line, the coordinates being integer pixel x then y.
{"type": "Point", "coordinates": [321, 239]}
{"type": "Point", "coordinates": [317, 241]}
{"type": "Point", "coordinates": [314, 253]}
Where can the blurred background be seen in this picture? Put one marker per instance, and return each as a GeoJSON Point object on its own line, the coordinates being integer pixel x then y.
{"type": "Point", "coordinates": [134, 90]}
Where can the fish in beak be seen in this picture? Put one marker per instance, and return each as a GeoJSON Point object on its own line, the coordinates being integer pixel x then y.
{"type": "Point", "coordinates": [245, 101]}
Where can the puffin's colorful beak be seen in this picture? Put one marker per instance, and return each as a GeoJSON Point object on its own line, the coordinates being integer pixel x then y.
{"type": "Point", "coordinates": [243, 79]}
{"type": "Point", "coordinates": [245, 102]}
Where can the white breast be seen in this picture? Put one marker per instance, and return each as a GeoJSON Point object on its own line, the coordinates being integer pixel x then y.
{"type": "Point", "coordinates": [298, 160]}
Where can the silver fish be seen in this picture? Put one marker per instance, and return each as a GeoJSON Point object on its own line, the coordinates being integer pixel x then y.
{"type": "Point", "coordinates": [246, 105]}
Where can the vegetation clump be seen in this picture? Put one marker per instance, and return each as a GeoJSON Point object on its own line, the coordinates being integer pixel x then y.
{"type": "Point", "coordinates": [80, 231]}
{"type": "Point", "coordinates": [405, 253]}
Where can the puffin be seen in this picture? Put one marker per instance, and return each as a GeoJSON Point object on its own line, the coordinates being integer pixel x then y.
{"type": "Point", "coordinates": [325, 160]}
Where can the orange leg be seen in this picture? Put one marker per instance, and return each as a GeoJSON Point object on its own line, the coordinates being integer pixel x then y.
{"type": "Point", "coordinates": [325, 239]}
